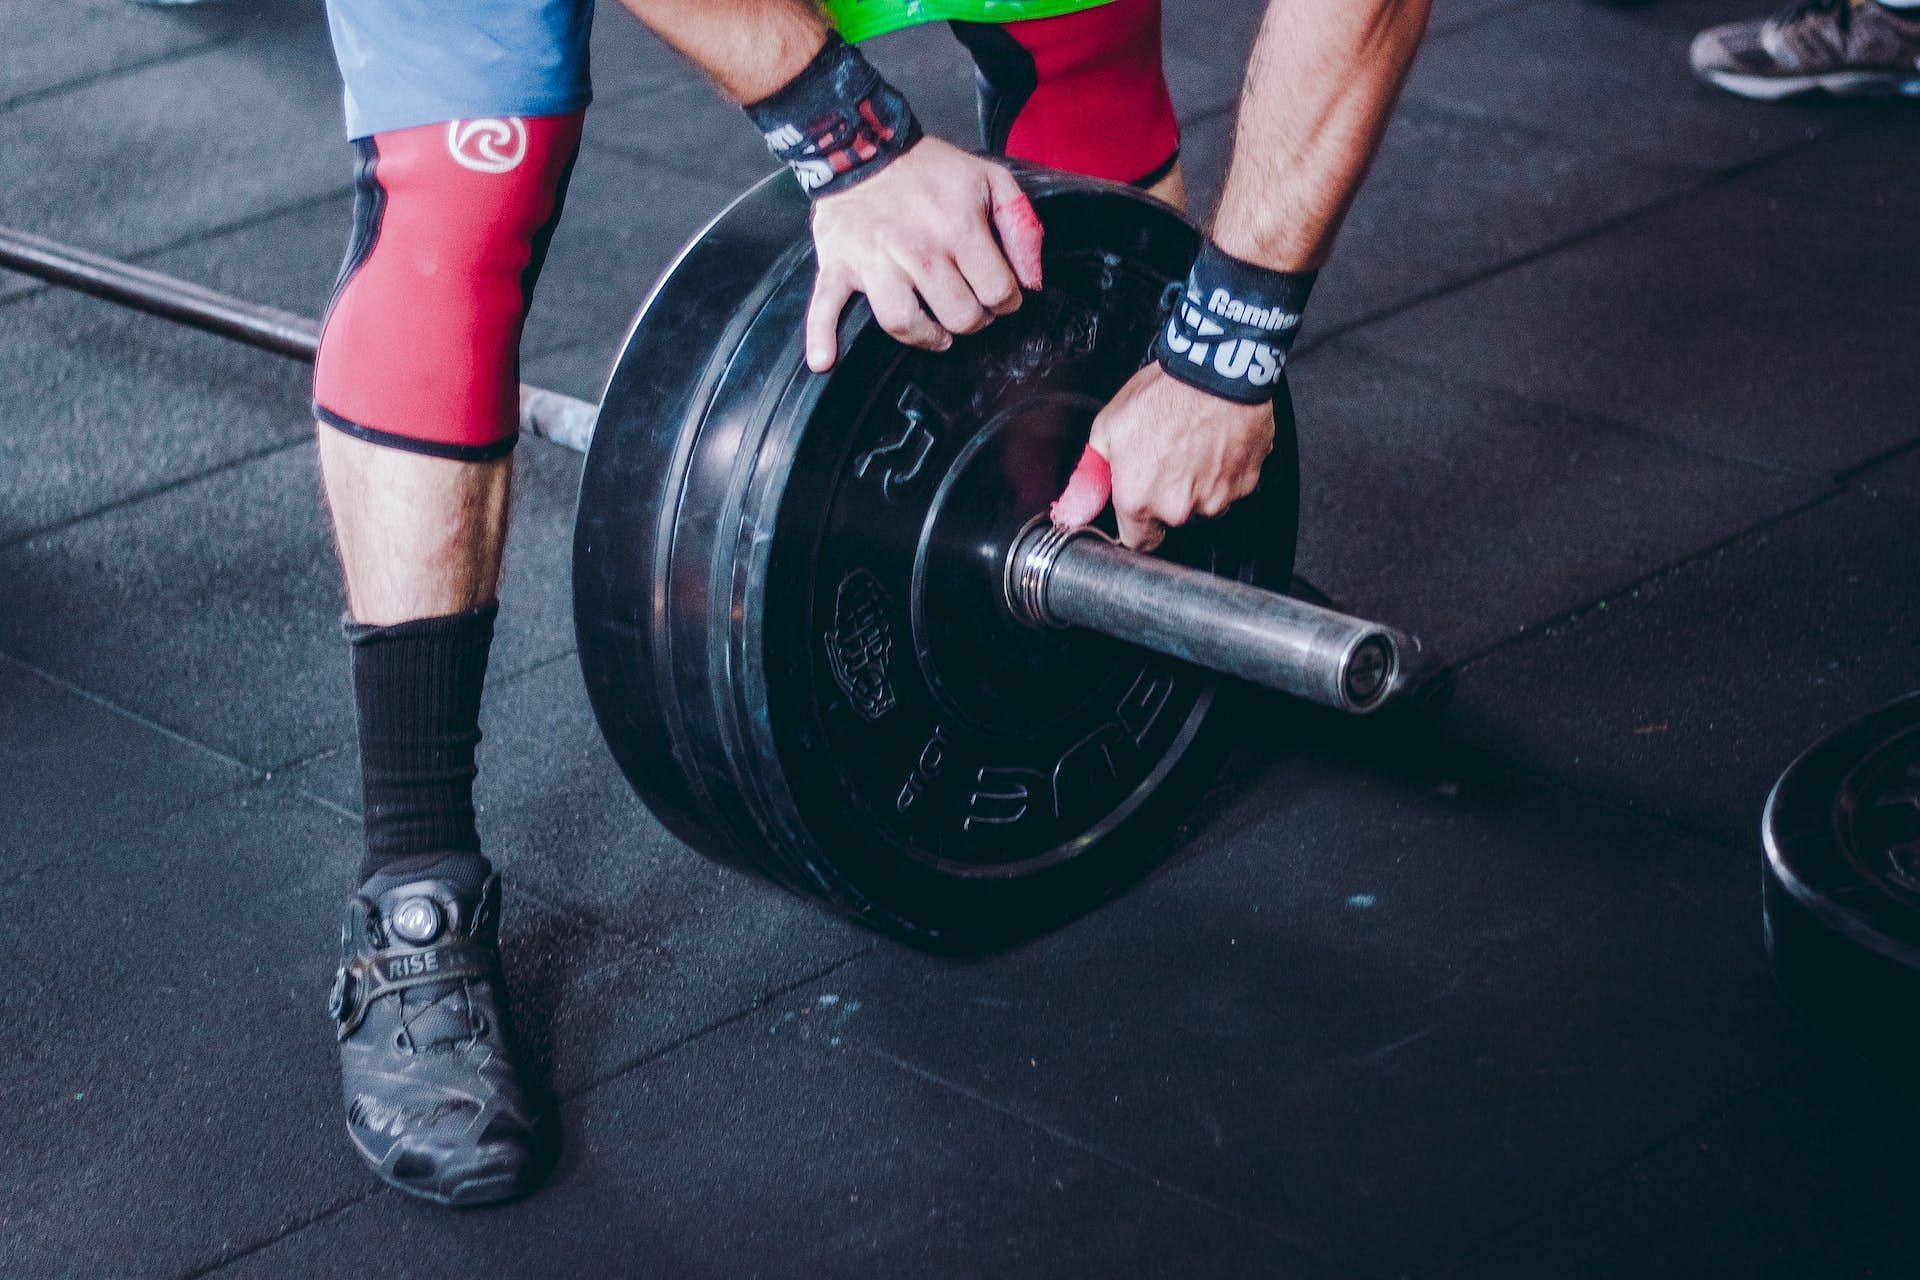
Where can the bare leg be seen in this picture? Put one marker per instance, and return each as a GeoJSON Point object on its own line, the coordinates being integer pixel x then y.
{"type": "Point", "coordinates": [419, 537]}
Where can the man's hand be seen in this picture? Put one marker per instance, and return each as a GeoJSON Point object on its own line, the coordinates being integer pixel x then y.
{"type": "Point", "coordinates": [1175, 452]}
{"type": "Point", "coordinates": [923, 230]}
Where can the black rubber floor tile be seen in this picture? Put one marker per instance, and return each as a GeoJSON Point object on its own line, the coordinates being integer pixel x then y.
{"type": "Point", "coordinates": [1869, 174]}
{"type": "Point", "coordinates": [1389, 1014]}
{"type": "Point", "coordinates": [51, 46]}
{"type": "Point", "coordinates": [1447, 199]}
{"type": "Point", "coordinates": [170, 1084]}
{"type": "Point", "coordinates": [753, 1152]}
{"type": "Point", "coordinates": [629, 59]}
{"type": "Point", "coordinates": [289, 260]}
{"type": "Point", "coordinates": [109, 404]}
{"type": "Point", "coordinates": [182, 147]}
{"type": "Point", "coordinates": [105, 404]}
{"type": "Point", "coordinates": [709, 143]}
{"type": "Point", "coordinates": [1464, 514]}
{"type": "Point", "coordinates": [77, 773]}
{"type": "Point", "coordinates": [214, 608]}
{"type": "Point", "coordinates": [1758, 326]}
{"type": "Point", "coordinates": [1812, 1177]}
{"type": "Point", "coordinates": [1223, 35]}
{"type": "Point", "coordinates": [1614, 81]}
{"type": "Point", "coordinates": [580, 370]}
{"type": "Point", "coordinates": [211, 1081]}
{"type": "Point", "coordinates": [1690, 693]}
{"type": "Point", "coordinates": [1897, 477]}
{"type": "Point", "coordinates": [624, 223]}
{"type": "Point", "coordinates": [556, 815]}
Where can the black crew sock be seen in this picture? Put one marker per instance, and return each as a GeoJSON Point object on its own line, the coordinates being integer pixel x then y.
{"type": "Point", "coordinates": [417, 687]}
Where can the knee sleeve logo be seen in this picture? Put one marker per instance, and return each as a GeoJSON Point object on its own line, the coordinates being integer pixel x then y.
{"type": "Point", "coordinates": [488, 146]}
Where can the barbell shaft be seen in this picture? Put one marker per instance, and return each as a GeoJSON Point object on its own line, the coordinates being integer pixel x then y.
{"type": "Point", "coordinates": [1055, 578]}
{"type": "Point", "coordinates": [548, 414]}
{"type": "Point", "coordinates": [1079, 578]}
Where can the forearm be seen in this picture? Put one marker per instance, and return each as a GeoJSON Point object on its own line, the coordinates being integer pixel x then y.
{"type": "Point", "coordinates": [749, 48]}
{"type": "Point", "coordinates": [1320, 86]}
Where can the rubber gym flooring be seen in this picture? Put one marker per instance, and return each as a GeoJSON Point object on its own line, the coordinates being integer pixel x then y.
{"type": "Point", "coordinates": [1611, 393]}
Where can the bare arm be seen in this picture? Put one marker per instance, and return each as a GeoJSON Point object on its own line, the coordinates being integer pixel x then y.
{"type": "Point", "coordinates": [749, 48]}
{"type": "Point", "coordinates": [1321, 83]}
{"type": "Point", "coordinates": [940, 242]}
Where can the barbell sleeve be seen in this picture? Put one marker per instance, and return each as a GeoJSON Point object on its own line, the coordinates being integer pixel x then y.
{"type": "Point", "coordinates": [550, 415]}
{"type": "Point", "coordinates": [1079, 578]}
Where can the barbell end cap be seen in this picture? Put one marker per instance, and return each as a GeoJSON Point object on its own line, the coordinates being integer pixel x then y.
{"type": "Point", "coordinates": [1418, 673]}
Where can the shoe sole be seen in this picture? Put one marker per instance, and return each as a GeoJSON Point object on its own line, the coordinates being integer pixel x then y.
{"type": "Point", "coordinates": [1842, 84]}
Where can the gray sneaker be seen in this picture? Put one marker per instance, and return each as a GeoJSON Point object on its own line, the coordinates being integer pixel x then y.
{"type": "Point", "coordinates": [1840, 46]}
{"type": "Point", "coordinates": [427, 1069]}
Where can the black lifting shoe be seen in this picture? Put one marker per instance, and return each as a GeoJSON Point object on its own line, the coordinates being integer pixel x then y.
{"type": "Point", "coordinates": [426, 1064]}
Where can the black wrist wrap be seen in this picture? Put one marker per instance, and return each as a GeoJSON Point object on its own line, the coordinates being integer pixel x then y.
{"type": "Point", "coordinates": [837, 122]}
{"type": "Point", "coordinates": [1231, 327]}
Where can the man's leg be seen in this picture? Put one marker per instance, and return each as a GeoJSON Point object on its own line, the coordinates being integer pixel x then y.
{"type": "Point", "coordinates": [1084, 92]}
{"type": "Point", "coordinates": [419, 537]}
{"type": "Point", "coordinates": [416, 395]}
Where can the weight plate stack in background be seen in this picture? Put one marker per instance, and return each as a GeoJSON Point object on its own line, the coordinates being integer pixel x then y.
{"type": "Point", "coordinates": [1841, 883]}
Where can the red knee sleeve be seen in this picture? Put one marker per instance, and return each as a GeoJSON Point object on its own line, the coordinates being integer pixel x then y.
{"type": "Point", "coordinates": [422, 340]}
{"type": "Point", "coordinates": [1099, 104]}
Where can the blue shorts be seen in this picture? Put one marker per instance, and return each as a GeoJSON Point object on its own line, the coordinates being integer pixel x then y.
{"type": "Point", "coordinates": [415, 62]}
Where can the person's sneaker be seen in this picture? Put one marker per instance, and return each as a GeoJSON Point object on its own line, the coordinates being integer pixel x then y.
{"type": "Point", "coordinates": [427, 1069]}
{"type": "Point", "coordinates": [1841, 46]}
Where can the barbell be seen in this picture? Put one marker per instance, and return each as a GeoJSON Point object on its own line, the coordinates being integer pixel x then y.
{"type": "Point", "coordinates": [824, 626]}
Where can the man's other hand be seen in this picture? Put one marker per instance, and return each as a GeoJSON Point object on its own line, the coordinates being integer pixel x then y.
{"type": "Point", "coordinates": [1174, 452]}
{"type": "Point", "coordinates": [940, 241]}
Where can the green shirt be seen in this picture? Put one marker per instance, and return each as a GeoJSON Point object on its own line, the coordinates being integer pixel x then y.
{"type": "Point", "coordinates": [862, 19]}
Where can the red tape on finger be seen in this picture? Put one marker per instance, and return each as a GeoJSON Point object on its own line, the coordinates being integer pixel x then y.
{"type": "Point", "coordinates": [1087, 491]}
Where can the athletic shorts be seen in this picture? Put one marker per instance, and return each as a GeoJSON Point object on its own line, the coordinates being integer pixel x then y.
{"type": "Point", "coordinates": [1053, 70]}
{"type": "Point", "coordinates": [413, 62]}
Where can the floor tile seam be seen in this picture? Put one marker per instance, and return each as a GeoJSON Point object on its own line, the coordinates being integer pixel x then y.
{"type": "Point", "coordinates": [1710, 180]}
{"type": "Point", "coordinates": [246, 1251]}
{"type": "Point", "coordinates": [126, 713]}
{"type": "Point", "coordinates": [640, 88]}
{"type": "Point", "coordinates": [574, 1097]}
{"type": "Point", "coordinates": [668, 166]}
{"type": "Point", "coordinates": [1435, 30]}
{"type": "Point", "coordinates": [204, 236]}
{"type": "Point", "coordinates": [495, 682]}
{"type": "Point", "coordinates": [1441, 113]}
{"type": "Point", "coordinates": [576, 345]}
{"type": "Point", "coordinates": [1461, 1259]}
{"type": "Point", "coordinates": [1604, 423]}
{"type": "Point", "coordinates": [1208, 116]}
{"type": "Point", "coordinates": [758, 1002]}
{"type": "Point", "coordinates": [1824, 131]}
{"type": "Point", "coordinates": [1477, 763]}
{"type": "Point", "coordinates": [526, 886]}
{"type": "Point", "coordinates": [1119, 1164]}
{"type": "Point", "coordinates": [1487, 15]}
{"type": "Point", "coordinates": [535, 891]}
{"type": "Point", "coordinates": [1576, 613]}
{"type": "Point", "coordinates": [89, 79]}
{"type": "Point", "coordinates": [1852, 474]}
{"type": "Point", "coordinates": [607, 342]}
{"type": "Point", "coordinates": [69, 523]}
